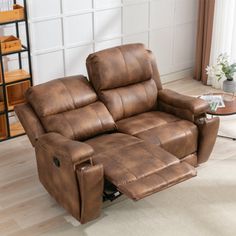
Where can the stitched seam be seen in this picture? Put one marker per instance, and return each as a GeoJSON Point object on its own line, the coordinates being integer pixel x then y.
{"type": "Point", "coordinates": [115, 148]}
{"type": "Point", "coordinates": [68, 92]}
{"type": "Point", "coordinates": [154, 158]}
{"type": "Point", "coordinates": [153, 127]}
{"type": "Point", "coordinates": [123, 108]}
{"type": "Point", "coordinates": [127, 169]}
{"type": "Point", "coordinates": [123, 167]}
{"type": "Point", "coordinates": [154, 173]}
{"type": "Point", "coordinates": [123, 86]}
{"type": "Point", "coordinates": [98, 117]}
{"type": "Point", "coordinates": [127, 71]}
{"type": "Point", "coordinates": [74, 136]}
{"type": "Point", "coordinates": [186, 136]}
{"type": "Point", "coordinates": [144, 88]}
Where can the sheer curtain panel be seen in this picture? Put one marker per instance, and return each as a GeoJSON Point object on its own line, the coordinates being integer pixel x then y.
{"type": "Point", "coordinates": [224, 34]}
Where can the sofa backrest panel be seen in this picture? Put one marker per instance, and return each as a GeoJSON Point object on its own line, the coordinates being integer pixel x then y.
{"type": "Point", "coordinates": [120, 67]}
{"type": "Point", "coordinates": [81, 124]}
{"type": "Point", "coordinates": [70, 106]}
{"type": "Point", "coordinates": [130, 100]}
{"type": "Point", "coordinates": [61, 95]}
{"type": "Point", "coordinates": [123, 79]}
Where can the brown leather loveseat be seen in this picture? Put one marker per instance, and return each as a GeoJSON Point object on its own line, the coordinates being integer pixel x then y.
{"type": "Point", "coordinates": [119, 133]}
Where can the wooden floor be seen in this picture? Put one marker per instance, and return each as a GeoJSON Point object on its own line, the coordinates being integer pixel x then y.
{"type": "Point", "coordinates": [27, 209]}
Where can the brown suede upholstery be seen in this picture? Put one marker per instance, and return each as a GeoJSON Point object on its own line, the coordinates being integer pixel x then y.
{"type": "Point", "coordinates": [132, 90]}
{"type": "Point", "coordinates": [76, 114]}
{"type": "Point", "coordinates": [129, 136]}
{"type": "Point", "coordinates": [141, 107]}
{"type": "Point", "coordinates": [58, 145]}
{"type": "Point", "coordinates": [182, 106]}
{"type": "Point", "coordinates": [91, 179]}
{"type": "Point", "coordinates": [145, 121]}
{"type": "Point", "coordinates": [208, 129]}
{"type": "Point", "coordinates": [30, 122]}
{"type": "Point", "coordinates": [130, 166]}
{"type": "Point", "coordinates": [172, 136]}
{"type": "Point", "coordinates": [133, 66]}
{"type": "Point", "coordinates": [107, 142]}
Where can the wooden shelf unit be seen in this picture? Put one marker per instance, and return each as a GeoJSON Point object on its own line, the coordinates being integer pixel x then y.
{"type": "Point", "coordinates": [14, 83]}
{"type": "Point", "coordinates": [2, 104]}
{"type": "Point", "coordinates": [16, 75]}
{"type": "Point", "coordinates": [18, 13]}
{"type": "Point", "coordinates": [15, 94]}
{"type": "Point", "coordinates": [3, 127]}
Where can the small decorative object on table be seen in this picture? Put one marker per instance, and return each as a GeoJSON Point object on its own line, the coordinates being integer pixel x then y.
{"type": "Point", "coordinates": [224, 70]}
{"type": "Point", "coordinates": [215, 101]}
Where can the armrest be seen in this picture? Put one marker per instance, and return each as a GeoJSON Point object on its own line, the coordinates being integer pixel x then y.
{"type": "Point", "coordinates": [208, 129]}
{"type": "Point", "coordinates": [60, 146]}
{"type": "Point", "coordinates": [181, 105]}
{"type": "Point", "coordinates": [77, 188]}
{"type": "Point", "coordinates": [30, 122]}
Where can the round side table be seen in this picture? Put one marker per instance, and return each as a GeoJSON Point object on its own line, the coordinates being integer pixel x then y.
{"type": "Point", "coordinates": [229, 109]}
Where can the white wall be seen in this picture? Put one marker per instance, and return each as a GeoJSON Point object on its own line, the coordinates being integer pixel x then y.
{"type": "Point", "coordinates": [64, 32]}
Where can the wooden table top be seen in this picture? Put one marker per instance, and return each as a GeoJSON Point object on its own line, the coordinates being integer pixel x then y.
{"type": "Point", "coordinates": [229, 109]}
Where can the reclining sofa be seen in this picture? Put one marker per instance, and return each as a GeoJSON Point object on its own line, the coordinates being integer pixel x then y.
{"type": "Point", "coordinates": [117, 133]}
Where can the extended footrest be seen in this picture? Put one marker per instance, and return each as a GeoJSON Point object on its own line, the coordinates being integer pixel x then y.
{"type": "Point", "coordinates": [141, 169]}
{"type": "Point", "coordinates": [158, 181]}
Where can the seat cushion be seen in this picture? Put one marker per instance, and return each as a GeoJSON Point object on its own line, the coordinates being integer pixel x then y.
{"type": "Point", "coordinates": [107, 142]}
{"type": "Point", "coordinates": [179, 137]}
{"type": "Point", "coordinates": [144, 121]}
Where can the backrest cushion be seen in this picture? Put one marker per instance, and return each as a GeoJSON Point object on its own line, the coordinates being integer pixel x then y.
{"type": "Point", "coordinates": [120, 66]}
{"type": "Point", "coordinates": [123, 79]}
{"type": "Point", "coordinates": [70, 106]}
{"type": "Point", "coordinates": [130, 100]}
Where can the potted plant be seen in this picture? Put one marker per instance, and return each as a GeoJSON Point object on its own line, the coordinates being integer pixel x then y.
{"type": "Point", "coordinates": [224, 70]}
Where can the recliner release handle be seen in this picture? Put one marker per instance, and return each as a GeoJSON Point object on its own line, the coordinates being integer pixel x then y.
{"type": "Point", "coordinates": [56, 162]}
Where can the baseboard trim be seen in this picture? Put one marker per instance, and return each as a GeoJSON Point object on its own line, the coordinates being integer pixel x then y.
{"type": "Point", "coordinates": [176, 75]}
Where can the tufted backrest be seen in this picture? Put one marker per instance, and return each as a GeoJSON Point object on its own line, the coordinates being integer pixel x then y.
{"type": "Point", "coordinates": [70, 106]}
{"type": "Point", "coordinates": [125, 78]}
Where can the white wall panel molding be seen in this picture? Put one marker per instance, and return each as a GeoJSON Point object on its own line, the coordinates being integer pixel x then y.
{"type": "Point", "coordinates": [167, 78]}
{"type": "Point", "coordinates": [64, 32]}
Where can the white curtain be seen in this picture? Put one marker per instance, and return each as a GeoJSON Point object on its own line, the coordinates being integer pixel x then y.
{"type": "Point", "coordinates": [224, 34]}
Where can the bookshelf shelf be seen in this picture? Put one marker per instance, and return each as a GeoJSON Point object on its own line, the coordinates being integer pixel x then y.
{"type": "Point", "coordinates": [13, 83]}
{"type": "Point", "coordinates": [16, 75]}
{"type": "Point", "coordinates": [15, 94]}
{"type": "Point", "coordinates": [2, 107]}
{"type": "Point", "coordinates": [3, 127]}
{"type": "Point", "coordinates": [14, 52]}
